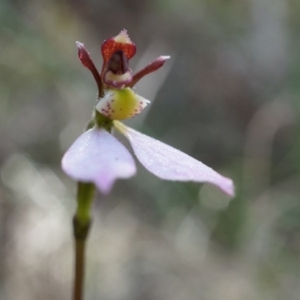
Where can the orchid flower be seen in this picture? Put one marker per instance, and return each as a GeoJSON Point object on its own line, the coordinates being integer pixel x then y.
{"type": "Point", "coordinates": [98, 157]}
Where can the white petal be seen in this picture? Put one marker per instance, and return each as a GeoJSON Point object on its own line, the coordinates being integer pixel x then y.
{"type": "Point", "coordinates": [169, 163]}
{"type": "Point", "coordinates": [98, 157]}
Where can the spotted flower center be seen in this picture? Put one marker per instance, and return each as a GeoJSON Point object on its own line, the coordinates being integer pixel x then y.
{"type": "Point", "coordinates": [120, 104]}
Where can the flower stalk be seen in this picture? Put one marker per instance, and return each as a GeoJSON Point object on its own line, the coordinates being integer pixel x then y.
{"type": "Point", "coordinates": [81, 226]}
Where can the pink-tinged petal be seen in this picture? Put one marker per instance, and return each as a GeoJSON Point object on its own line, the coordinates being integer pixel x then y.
{"type": "Point", "coordinates": [169, 163]}
{"type": "Point", "coordinates": [98, 157]}
{"type": "Point", "coordinates": [153, 66]}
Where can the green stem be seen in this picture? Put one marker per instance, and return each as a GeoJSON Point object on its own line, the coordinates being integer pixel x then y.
{"type": "Point", "coordinates": [81, 226]}
{"type": "Point", "coordinates": [102, 121]}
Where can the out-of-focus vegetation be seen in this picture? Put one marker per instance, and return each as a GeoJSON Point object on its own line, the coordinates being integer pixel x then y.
{"type": "Point", "coordinates": [229, 96]}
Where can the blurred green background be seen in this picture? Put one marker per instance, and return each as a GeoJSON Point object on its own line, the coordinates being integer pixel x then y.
{"type": "Point", "coordinates": [229, 97]}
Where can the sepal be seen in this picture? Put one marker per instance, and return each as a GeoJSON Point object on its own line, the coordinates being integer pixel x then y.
{"type": "Point", "coordinates": [169, 163]}
{"type": "Point", "coordinates": [120, 42]}
{"type": "Point", "coordinates": [98, 157]}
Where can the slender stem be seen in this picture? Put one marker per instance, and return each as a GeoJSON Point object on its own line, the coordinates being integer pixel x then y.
{"type": "Point", "coordinates": [102, 121]}
{"type": "Point", "coordinates": [79, 269]}
{"type": "Point", "coordinates": [81, 226]}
